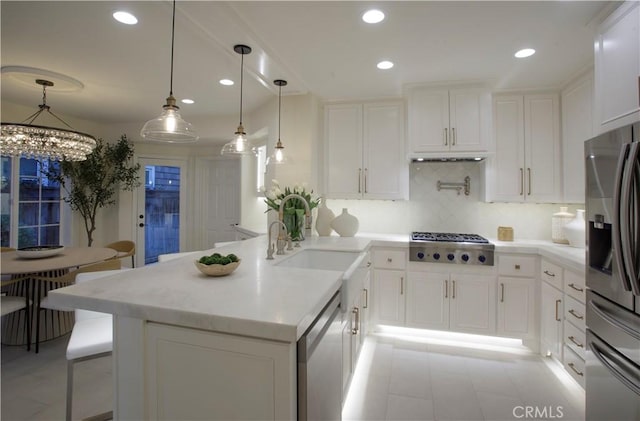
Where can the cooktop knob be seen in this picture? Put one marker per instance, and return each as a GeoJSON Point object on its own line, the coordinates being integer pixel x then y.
{"type": "Point", "coordinates": [450, 256]}
{"type": "Point", "coordinates": [465, 257]}
{"type": "Point", "coordinates": [482, 259]}
{"type": "Point", "coordinates": [420, 255]}
{"type": "Point", "coordinates": [436, 256]}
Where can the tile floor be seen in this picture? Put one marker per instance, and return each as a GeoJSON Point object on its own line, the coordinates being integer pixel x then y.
{"type": "Point", "coordinates": [397, 378]}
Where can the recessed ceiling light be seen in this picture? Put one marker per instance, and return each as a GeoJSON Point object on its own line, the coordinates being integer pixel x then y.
{"type": "Point", "coordinates": [385, 65]}
{"type": "Point", "coordinates": [525, 52]}
{"type": "Point", "coordinates": [226, 82]}
{"type": "Point", "coordinates": [187, 101]}
{"type": "Point", "coordinates": [125, 17]}
{"type": "Point", "coordinates": [373, 16]}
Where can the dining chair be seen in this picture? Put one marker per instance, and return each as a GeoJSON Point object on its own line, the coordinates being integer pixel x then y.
{"type": "Point", "coordinates": [91, 338]}
{"type": "Point", "coordinates": [10, 304]}
{"type": "Point", "coordinates": [124, 248]}
{"type": "Point", "coordinates": [65, 280]}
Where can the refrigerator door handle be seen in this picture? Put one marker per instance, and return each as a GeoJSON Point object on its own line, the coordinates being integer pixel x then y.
{"type": "Point", "coordinates": [628, 218]}
{"type": "Point", "coordinates": [617, 364]}
{"type": "Point", "coordinates": [613, 321]}
{"type": "Point", "coordinates": [618, 205]}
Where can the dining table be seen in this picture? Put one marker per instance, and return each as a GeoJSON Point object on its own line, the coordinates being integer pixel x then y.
{"type": "Point", "coordinates": [54, 323]}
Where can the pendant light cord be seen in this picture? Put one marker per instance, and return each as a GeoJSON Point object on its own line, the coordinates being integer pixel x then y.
{"type": "Point", "coordinates": [173, 28]}
{"type": "Point", "coordinates": [241, 83]}
{"type": "Point", "coordinates": [279, 108]}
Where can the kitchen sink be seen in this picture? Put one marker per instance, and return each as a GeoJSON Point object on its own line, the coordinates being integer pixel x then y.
{"type": "Point", "coordinates": [321, 259]}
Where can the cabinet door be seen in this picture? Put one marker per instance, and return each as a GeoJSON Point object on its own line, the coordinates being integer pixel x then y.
{"type": "Point", "coordinates": [429, 120]}
{"type": "Point", "coordinates": [366, 308]}
{"type": "Point", "coordinates": [346, 351]}
{"type": "Point", "coordinates": [343, 151]}
{"type": "Point", "coordinates": [385, 166]}
{"type": "Point", "coordinates": [466, 120]}
{"type": "Point", "coordinates": [472, 303]}
{"type": "Point", "coordinates": [617, 68]}
{"type": "Point", "coordinates": [542, 148]}
{"type": "Point", "coordinates": [508, 162]}
{"type": "Point", "coordinates": [577, 126]}
{"type": "Point", "coordinates": [428, 300]}
{"type": "Point", "coordinates": [515, 307]}
{"type": "Point", "coordinates": [551, 321]}
{"type": "Point", "coordinates": [389, 296]}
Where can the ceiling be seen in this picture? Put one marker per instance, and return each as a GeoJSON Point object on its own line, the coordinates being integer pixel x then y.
{"type": "Point", "coordinates": [320, 47]}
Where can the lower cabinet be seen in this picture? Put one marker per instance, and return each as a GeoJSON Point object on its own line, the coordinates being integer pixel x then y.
{"type": "Point", "coordinates": [451, 301]}
{"type": "Point", "coordinates": [390, 297]}
{"type": "Point", "coordinates": [515, 307]}
{"type": "Point", "coordinates": [551, 311]}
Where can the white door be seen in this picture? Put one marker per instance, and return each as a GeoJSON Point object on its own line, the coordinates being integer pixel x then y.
{"type": "Point", "coordinates": [343, 151]}
{"type": "Point", "coordinates": [161, 209]}
{"type": "Point", "coordinates": [514, 307]}
{"type": "Point", "coordinates": [465, 120]}
{"type": "Point", "coordinates": [389, 296]}
{"type": "Point", "coordinates": [429, 120]}
{"type": "Point", "coordinates": [473, 303]}
{"type": "Point", "coordinates": [428, 300]}
{"type": "Point", "coordinates": [508, 163]}
{"type": "Point", "coordinates": [220, 201]}
{"type": "Point", "coordinates": [551, 321]}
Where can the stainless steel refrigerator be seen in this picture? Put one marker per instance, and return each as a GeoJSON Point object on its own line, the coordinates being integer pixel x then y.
{"type": "Point", "coordinates": [613, 275]}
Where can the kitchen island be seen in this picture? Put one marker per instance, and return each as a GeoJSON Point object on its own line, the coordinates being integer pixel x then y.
{"type": "Point", "coordinates": [191, 346]}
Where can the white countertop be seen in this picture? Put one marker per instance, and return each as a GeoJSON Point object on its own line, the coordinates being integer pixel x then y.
{"type": "Point", "coordinates": [258, 299]}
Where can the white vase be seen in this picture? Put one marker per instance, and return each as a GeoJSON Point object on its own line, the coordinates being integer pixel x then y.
{"type": "Point", "coordinates": [345, 224]}
{"type": "Point", "coordinates": [558, 221]}
{"type": "Point", "coordinates": [574, 231]}
{"type": "Point", "coordinates": [324, 218]}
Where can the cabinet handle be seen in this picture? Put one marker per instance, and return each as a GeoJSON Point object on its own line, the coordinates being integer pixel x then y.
{"type": "Point", "coordinates": [356, 312]}
{"type": "Point", "coordinates": [359, 180]}
{"type": "Point", "coordinates": [502, 292]}
{"type": "Point", "coordinates": [517, 267]}
{"type": "Point", "coordinates": [366, 298]}
{"type": "Point", "coordinates": [557, 302]}
{"type": "Point", "coordinates": [389, 260]}
{"type": "Point", "coordinates": [572, 285]}
{"type": "Point", "coordinates": [453, 293]}
{"type": "Point", "coordinates": [572, 366]}
{"type": "Point", "coordinates": [546, 272]}
{"type": "Point", "coordinates": [446, 288]}
{"type": "Point", "coordinates": [576, 315]}
{"type": "Point", "coordinates": [529, 177]}
{"type": "Point", "coordinates": [573, 339]}
{"type": "Point", "coordinates": [521, 182]}
{"type": "Point", "coordinates": [446, 136]}
{"type": "Point", "coordinates": [366, 171]}
{"type": "Point", "coordinates": [401, 285]}
{"type": "Point", "coordinates": [453, 136]}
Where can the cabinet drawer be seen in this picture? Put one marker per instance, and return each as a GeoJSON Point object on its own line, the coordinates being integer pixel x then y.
{"type": "Point", "coordinates": [551, 273]}
{"type": "Point", "coordinates": [524, 266]}
{"type": "Point", "coordinates": [574, 285]}
{"type": "Point", "coordinates": [390, 259]}
{"type": "Point", "coordinates": [574, 312]}
{"type": "Point", "coordinates": [574, 365]}
{"type": "Point", "coordinates": [575, 339]}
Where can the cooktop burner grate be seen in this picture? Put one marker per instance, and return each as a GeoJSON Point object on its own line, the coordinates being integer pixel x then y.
{"type": "Point", "coordinates": [448, 237]}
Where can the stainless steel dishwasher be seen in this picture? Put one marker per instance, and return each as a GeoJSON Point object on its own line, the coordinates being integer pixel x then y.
{"type": "Point", "coordinates": [320, 366]}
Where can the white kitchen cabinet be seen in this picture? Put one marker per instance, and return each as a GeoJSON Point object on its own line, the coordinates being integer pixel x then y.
{"type": "Point", "coordinates": [551, 311]}
{"type": "Point", "coordinates": [449, 120]}
{"type": "Point", "coordinates": [617, 68]}
{"type": "Point", "coordinates": [577, 126]}
{"type": "Point", "coordinates": [516, 297]}
{"type": "Point", "coordinates": [389, 284]}
{"type": "Point", "coordinates": [364, 151]}
{"type": "Point", "coordinates": [574, 325]}
{"type": "Point", "coordinates": [527, 162]}
{"type": "Point", "coordinates": [451, 301]}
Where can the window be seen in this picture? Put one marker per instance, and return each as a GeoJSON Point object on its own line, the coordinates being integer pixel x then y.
{"type": "Point", "coordinates": [149, 177]}
{"type": "Point", "coordinates": [262, 168]}
{"type": "Point", "coordinates": [31, 203]}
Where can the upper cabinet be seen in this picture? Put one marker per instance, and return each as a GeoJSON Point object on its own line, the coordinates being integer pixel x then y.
{"type": "Point", "coordinates": [364, 151]}
{"type": "Point", "coordinates": [617, 68]}
{"type": "Point", "coordinates": [577, 126]}
{"type": "Point", "coordinates": [526, 165]}
{"type": "Point", "coordinates": [446, 121]}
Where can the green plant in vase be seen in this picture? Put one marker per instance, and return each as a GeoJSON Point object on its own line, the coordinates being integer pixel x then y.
{"type": "Point", "coordinates": [294, 208]}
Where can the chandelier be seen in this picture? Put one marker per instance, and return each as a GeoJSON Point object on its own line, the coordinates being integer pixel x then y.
{"type": "Point", "coordinates": [32, 141]}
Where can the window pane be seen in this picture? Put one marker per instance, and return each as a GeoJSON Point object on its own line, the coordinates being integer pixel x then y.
{"type": "Point", "coordinates": [28, 214]}
{"type": "Point", "coordinates": [50, 235]}
{"type": "Point", "coordinates": [5, 196]}
{"type": "Point", "coordinates": [29, 188]}
{"type": "Point", "coordinates": [50, 213]}
{"type": "Point", "coordinates": [27, 237]}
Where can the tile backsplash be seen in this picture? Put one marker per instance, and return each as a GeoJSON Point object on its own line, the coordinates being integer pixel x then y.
{"type": "Point", "coordinates": [447, 211]}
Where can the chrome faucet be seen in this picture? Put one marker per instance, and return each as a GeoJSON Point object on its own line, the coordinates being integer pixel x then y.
{"type": "Point", "coordinates": [307, 212]}
{"type": "Point", "coordinates": [280, 242]}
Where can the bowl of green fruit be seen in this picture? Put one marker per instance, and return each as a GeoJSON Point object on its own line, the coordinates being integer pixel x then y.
{"type": "Point", "coordinates": [217, 264]}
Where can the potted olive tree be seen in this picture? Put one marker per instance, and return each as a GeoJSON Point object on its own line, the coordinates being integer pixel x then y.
{"type": "Point", "coordinates": [92, 184]}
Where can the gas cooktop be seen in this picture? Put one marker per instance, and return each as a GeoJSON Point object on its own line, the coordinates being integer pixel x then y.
{"type": "Point", "coordinates": [445, 247]}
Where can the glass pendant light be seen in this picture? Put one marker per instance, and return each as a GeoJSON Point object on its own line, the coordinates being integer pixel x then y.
{"type": "Point", "coordinates": [240, 145]}
{"type": "Point", "coordinates": [278, 156]}
{"type": "Point", "coordinates": [170, 127]}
